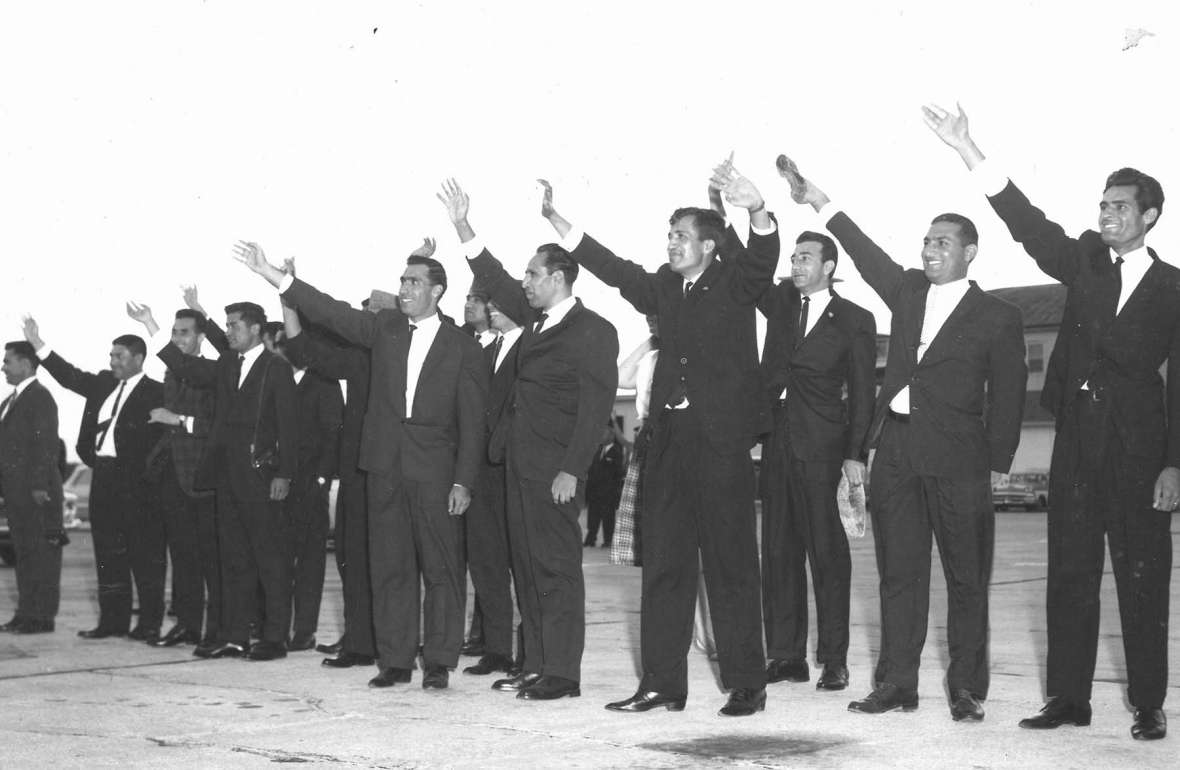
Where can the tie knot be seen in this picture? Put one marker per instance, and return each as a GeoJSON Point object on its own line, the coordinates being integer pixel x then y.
{"type": "Point", "coordinates": [1118, 262]}
{"type": "Point", "coordinates": [241, 357]}
{"type": "Point", "coordinates": [688, 286]}
{"type": "Point", "coordinates": [806, 300]}
{"type": "Point", "coordinates": [413, 327]}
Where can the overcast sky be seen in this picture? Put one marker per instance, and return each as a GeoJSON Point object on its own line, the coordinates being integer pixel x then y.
{"type": "Point", "coordinates": [140, 140]}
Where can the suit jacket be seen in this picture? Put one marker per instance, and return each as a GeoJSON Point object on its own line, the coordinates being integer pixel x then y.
{"type": "Point", "coordinates": [502, 380]}
{"type": "Point", "coordinates": [28, 455]}
{"type": "Point", "coordinates": [604, 480]}
{"type": "Point", "coordinates": [1119, 355]}
{"type": "Point", "coordinates": [840, 353]}
{"type": "Point", "coordinates": [707, 338]}
{"type": "Point", "coordinates": [338, 362]}
{"type": "Point", "coordinates": [258, 416]}
{"type": "Point", "coordinates": [443, 439]}
{"type": "Point", "coordinates": [566, 378]}
{"type": "Point", "coordinates": [967, 392]}
{"type": "Point", "coordinates": [134, 436]}
{"type": "Point", "coordinates": [185, 447]}
{"type": "Point", "coordinates": [321, 409]}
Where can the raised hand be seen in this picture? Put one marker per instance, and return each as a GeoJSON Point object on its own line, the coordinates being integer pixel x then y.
{"type": "Point", "coordinates": [251, 255]}
{"type": "Point", "coordinates": [289, 266]}
{"type": "Point", "coordinates": [547, 209]}
{"type": "Point", "coordinates": [425, 250]}
{"type": "Point", "coordinates": [32, 332]}
{"type": "Point", "coordinates": [191, 300]}
{"type": "Point", "coordinates": [456, 201]}
{"type": "Point", "coordinates": [789, 171]}
{"type": "Point", "coordinates": [139, 312]}
{"type": "Point", "coordinates": [953, 130]}
{"type": "Point", "coordinates": [737, 189]}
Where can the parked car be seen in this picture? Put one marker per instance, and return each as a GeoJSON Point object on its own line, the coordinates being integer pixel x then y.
{"type": "Point", "coordinates": [78, 484]}
{"type": "Point", "coordinates": [69, 517]}
{"type": "Point", "coordinates": [1025, 489]}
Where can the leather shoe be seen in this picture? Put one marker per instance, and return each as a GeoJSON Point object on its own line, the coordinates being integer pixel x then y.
{"type": "Point", "coordinates": [490, 664]}
{"type": "Point", "coordinates": [966, 707]}
{"type": "Point", "coordinates": [347, 660]}
{"type": "Point", "coordinates": [30, 626]}
{"type": "Point", "coordinates": [221, 650]}
{"type": "Point", "coordinates": [787, 671]}
{"type": "Point", "coordinates": [388, 677]}
{"type": "Point", "coordinates": [100, 633]}
{"type": "Point", "coordinates": [472, 648]}
{"type": "Point", "coordinates": [331, 649]}
{"type": "Point", "coordinates": [144, 634]}
{"type": "Point", "coordinates": [435, 677]}
{"type": "Point", "coordinates": [515, 683]}
{"type": "Point", "coordinates": [264, 650]}
{"type": "Point", "coordinates": [646, 700]}
{"type": "Point", "coordinates": [744, 702]}
{"type": "Point", "coordinates": [1149, 725]}
{"type": "Point", "coordinates": [301, 642]}
{"type": "Point", "coordinates": [887, 697]}
{"type": "Point", "coordinates": [550, 688]}
{"type": "Point", "coordinates": [178, 634]}
{"type": "Point", "coordinates": [833, 677]}
{"type": "Point", "coordinates": [1059, 711]}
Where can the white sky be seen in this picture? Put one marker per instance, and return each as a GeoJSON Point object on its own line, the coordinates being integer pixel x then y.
{"type": "Point", "coordinates": [138, 141]}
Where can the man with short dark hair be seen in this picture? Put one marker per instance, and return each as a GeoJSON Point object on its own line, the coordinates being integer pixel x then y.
{"type": "Point", "coordinates": [115, 439]}
{"type": "Point", "coordinates": [1116, 457]}
{"type": "Point", "coordinates": [30, 491]}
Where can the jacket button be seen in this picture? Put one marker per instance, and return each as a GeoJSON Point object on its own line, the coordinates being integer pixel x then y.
{"type": "Point", "coordinates": [684, 360]}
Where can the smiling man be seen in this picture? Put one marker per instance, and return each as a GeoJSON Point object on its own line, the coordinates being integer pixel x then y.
{"type": "Point", "coordinates": [1116, 458]}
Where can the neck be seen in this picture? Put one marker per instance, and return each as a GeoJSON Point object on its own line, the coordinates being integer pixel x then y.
{"type": "Point", "coordinates": [556, 301]}
{"type": "Point", "coordinates": [1128, 248]}
{"type": "Point", "coordinates": [416, 319]}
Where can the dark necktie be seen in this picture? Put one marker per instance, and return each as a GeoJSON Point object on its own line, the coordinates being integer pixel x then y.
{"type": "Point", "coordinates": [7, 405]}
{"type": "Point", "coordinates": [1118, 282]}
{"type": "Point", "coordinates": [104, 427]}
{"type": "Point", "coordinates": [497, 344]}
{"type": "Point", "coordinates": [540, 322]}
{"type": "Point", "coordinates": [801, 329]}
{"type": "Point", "coordinates": [688, 287]}
{"type": "Point", "coordinates": [238, 370]}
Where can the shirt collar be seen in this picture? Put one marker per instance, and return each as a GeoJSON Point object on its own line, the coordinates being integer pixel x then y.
{"type": "Point", "coordinates": [1139, 255]}
{"type": "Point", "coordinates": [132, 381]}
{"type": "Point", "coordinates": [250, 356]}
{"type": "Point", "coordinates": [955, 288]}
{"type": "Point", "coordinates": [823, 296]}
{"type": "Point", "coordinates": [555, 314]}
{"type": "Point", "coordinates": [430, 323]}
{"type": "Point", "coordinates": [23, 384]}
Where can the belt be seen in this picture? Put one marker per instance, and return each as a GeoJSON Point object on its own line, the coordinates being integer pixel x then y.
{"type": "Point", "coordinates": [897, 417]}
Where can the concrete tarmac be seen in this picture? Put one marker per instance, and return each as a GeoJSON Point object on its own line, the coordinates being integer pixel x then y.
{"type": "Point", "coordinates": [114, 703]}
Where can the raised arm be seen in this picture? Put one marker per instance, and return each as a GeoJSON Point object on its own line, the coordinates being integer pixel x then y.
{"type": "Point", "coordinates": [629, 369]}
{"type": "Point", "coordinates": [756, 261]}
{"type": "Point", "coordinates": [191, 370]}
{"type": "Point", "coordinates": [67, 375]}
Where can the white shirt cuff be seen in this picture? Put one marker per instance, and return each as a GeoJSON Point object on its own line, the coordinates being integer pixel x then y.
{"type": "Point", "coordinates": [286, 282]}
{"type": "Point", "coordinates": [44, 352]}
{"type": "Point", "coordinates": [989, 178]}
{"type": "Point", "coordinates": [187, 422]}
{"type": "Point", "coordinates": [472, 248]}
{"type": "Point", "coordinates": [766, 231]}
{"type": "Point", "coordinates": [573, 238]}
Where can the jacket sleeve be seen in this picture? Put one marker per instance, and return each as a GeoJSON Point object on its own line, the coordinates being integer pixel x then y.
{"type": "Point", "coordinates": [471, 400]}
{"type": "Point", "coordinates": [71, 377]}
{"type": "Point", "coordinates": [286, 405]}
{"type": "Point", "coordinates": [637, 286]}
{"type": "Point", "coordinates": [598, 378]}
{"type": "Point", "coordinates": [1006, 381]}
{"type": "Point", "coordinates": [359, 327]}
{"type": "Point", "coordinates": [755, 267]}
{"type": "Point", "coordinates": [310, 350]}
{"type": "Point", "coordinates": [216, 336]}
{"type": "Point", "coordinates": [1056, 253]}
{"type": "Point", "coordinates": [331, 419]}
{"type": "Point", "coordinates": [43, 462]}
{"type": "Point", "coordinates": [862, 386]}
{"type": "Point", "coordinates": [504, 290]}
{"type": "Point", "coordinates": [1172, 458]}
{"type": "Point", "coordinates": [192, 370]}
{"type": "Point", "coordinates": [885, 276]}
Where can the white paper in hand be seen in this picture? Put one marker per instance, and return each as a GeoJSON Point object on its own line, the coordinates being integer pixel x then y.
{"type": "Point", "coordinates": [851, 502]}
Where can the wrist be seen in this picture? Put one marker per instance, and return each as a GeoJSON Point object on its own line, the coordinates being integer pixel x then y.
{"type": "Point", "coordinates": [758, 208]}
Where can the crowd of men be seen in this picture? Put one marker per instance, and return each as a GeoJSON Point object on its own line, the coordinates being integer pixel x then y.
{"type": "Point", "coordinates": [467, 449]}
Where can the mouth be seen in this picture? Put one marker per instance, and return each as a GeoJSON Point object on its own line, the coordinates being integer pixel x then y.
{"type": "Point", "coordinates": [933, 264]}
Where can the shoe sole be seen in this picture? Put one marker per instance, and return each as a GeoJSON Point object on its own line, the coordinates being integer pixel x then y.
{"type": "Point", "coordinates": [904, 707]}
{"type": "Point", "coordinates": [523, 695]}
{"type": "Point", "coordinates": [673, 706]}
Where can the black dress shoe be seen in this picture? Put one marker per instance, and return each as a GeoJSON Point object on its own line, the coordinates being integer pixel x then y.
{"type": "Point", "coordinates": [221, 650]}
{"type": "Point", "coordinates": [550, 688]}
{"type": "Point", "coordinates": [178, 634]}
{"type": "Point", "coordinates": [100, 633]}
{"type": "Point", "coordinates": [1059, 711]}
{"type": "Point", "coordinates": [301, 642]}
{"type": "Point", "coordinates": [966, 707]}
{"type": "Point", "coordinates": [515, 683]}
{"type": "Point", "coordinates": [435, 677]}
{"type": "Point", "coordinates": [1149, 725]}
{"type": "Point", "coordinates": [491, 664]}
{"type": "Point", "coordinates": [833, 677]}
{"type": "Point", "coordinates": [744, 702]}
{"type": "Point", "coordinates": [646, 700]}
{"type": "Point", "coordinates": [887, 697]}
{"type": "Point", "coordinates": [264, 650]}
{"type": "Point", "coordinates": [472, 648]}
{"type": "Point", "coordinates": [788, 671]}
{"type": "Point", "coordinates": [347, 660]}
{"type": "Point", "coordinates": [388, 677]}
{"type": "Point", "coordinates": [331, 649]}
{"type": "Point", "coordinates": [144, 634]}
{"type": "Point", "coordinates": [34, 627]}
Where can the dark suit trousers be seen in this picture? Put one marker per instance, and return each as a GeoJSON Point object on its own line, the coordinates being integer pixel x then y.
{"type": "Point", "coordinates": [907, 508]}
{"type": "Point", "coordinates": [1098, 489]}
{"type": "Point", "coordinates": [38, 563]}
{"type": "Point", "coordinates": [191, 527]}
{"type": "Point", "coordinates": [352, 558]}
{"type": "Point", "coordinates": [801, 524]}
{"type": "Point", "coordinates": [696, 499]}
{"type": "Point", "coordinates": [414, 542]}
{"type": "Point", "coordinates": [600, 513]}
{"type": "Point", "coordinates": [128, 534]}
{"type": "Point", "coordinates": [307, 536]}
{"type": "Point", "coordinates": [489, 562]}
{"type": "Point", "coordinates": [546, 543]}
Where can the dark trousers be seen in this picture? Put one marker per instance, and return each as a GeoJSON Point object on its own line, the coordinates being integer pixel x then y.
{"type": "Point", "coordinates": [190, 525]}
{"type": "Point", "coordinates": [414, 542]}
{"type": "Point", "coordinates": [307, 536]}
{"type": "Point", "coordinates": [600, 512]}
{"type": "Point", "coordinates": [546, 544]}
{"type": "Point", "coordinates": [489, 562]}
{"type": "Point", "coordinates": [1097, 489]}
{"type": "Point", "coordinates": [128, 534]}
{"type": "Point", "coordinates": [800, 525]}
{"type": "Point", "coordinates": [908, 508]}
{"type": "Point", "coordinates": [352, 558]}
{"type": "Point", "coordinates": [38, 563]}
{"type": "Point", "coordinates": [696, 499]}
{"type": "Point", "coordinates": [252, 536]}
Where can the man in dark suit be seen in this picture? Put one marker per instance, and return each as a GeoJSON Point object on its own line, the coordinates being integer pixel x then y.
{"type": "Point", "coordinates": [948, 412]}
{"type": "Point", "coordinates": [115, 439]}
{"type": "Point", "coordinates": [422, 438]}
{"type": "Point", "coordinates": [30, 490]}
{"type": "Point", "coordinates": [604, 487]}
{"type": "Point", "coordinates": [708, 408]}
{"type": "Point", "coordinates": [250, 458]}
{"type": "Point", "coordinates": [819, 346]}
{"type": "Point", "coordinates": [1116, 458]}
{"type": "Point", "coordinates": [564, 392]}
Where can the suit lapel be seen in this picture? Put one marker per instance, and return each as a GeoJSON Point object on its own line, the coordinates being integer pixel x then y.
{"type": "Point", "coordinates": [434, 357]}
{"type": "Point", "coordinates": [1144, 293]}
{"type": "Point", "coordinates": [913, 323]}
{"type": "Point", "coordinates": [960, 314]}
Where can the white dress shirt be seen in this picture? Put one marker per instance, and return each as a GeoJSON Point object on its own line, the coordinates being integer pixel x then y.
{"type": "Point", "coordinates": [486, 337]}
{"type": "Point", "coordinates": [941, 301]}
{"type": "Point", "coordinates": [420, 342]}
{"type": "Point", "coordinates": [819, 303]}
{"type": "Point", "coordinates": [16, 391]}
{"type": "Point", "coordinates": [249, 357]}
{"type": "Point", "coordinates": [508, 339]}
{"type": "Point", "coordinates": [555, 314]}
{"type": "Point", "coordinates": [108, 410]}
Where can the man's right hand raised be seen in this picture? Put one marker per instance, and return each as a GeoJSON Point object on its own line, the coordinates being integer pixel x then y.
{"type": "Point", "coordinates": [142, 313]}
{"type": "Point", "coordinates": [251, 255]}
{"type": "Point", "coordinates": [457, 205]}
{"type": "Point", "coordinates": [32, 332]}
{"type": "Point", "coordinates": [953, 130]}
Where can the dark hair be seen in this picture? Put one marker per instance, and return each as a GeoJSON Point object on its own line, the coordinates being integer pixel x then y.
{"type": "Point", "coordinates": [1148, 193]}
{"type": "Point", "coordinates": [968, 235]}
{"type": "Point", "coordinates": [827, 247]}
{"type": "Point", "coordinates": [134, 344]}
{"type": "Point", "coordinates": [272, 329]}
{"type": "Point", "coordinates": [557, 258]}
{"type": "Point", "coordinates": [435, 272]}
{"type": "Point", "coordinates": [22, 349]}
{"type": "Point", "coordinates": [199, 321]}
{"type": "Point", "coordinates": [250, 312]}
{"type": "Point", "coordinates": [710, 225]}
